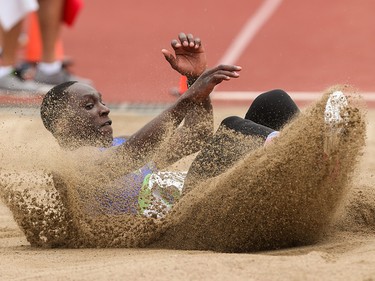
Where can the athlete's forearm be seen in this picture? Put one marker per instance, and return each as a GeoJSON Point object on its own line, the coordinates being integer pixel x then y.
{"type": "Point", "coordinates": [195, 100]}
{"type": "Point", "coordinates": [200, 120]}
{"type": "Point", "coordinates": [144, 143]}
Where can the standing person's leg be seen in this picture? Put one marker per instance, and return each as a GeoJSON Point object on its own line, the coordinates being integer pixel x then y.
{"type": "Point", "coordinates": [10, 45]}
{"type": "Point", "coordinates": [272, 109]}
{"type": "Point", "coordinates": [50, 70]}
{"type": "Point", "coordinates": [9, 81]}
{"type": "Point", "coordinates": [50, 15]}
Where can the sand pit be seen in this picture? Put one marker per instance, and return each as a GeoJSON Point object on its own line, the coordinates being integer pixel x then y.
{"type": "Point", "coordinates": [347, 251]}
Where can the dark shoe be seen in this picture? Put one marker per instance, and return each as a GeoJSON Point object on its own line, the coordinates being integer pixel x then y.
{"type": "Point", "coordinates": [14, 83]}
{"type": "Point", "coordinates": [60, 77]}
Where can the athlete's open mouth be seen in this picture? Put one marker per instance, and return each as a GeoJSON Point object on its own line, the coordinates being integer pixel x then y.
{"type": "Point", "coordinates": [108, 123]}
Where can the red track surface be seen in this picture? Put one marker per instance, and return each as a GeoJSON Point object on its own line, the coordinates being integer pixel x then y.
{"type": "Point", "coordinates": [119, 45]}
{"type": "Point", "coordinates": [304, 46]}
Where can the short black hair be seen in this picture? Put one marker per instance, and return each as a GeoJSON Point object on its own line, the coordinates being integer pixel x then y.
{"type": "Point", "coordinates": [54, 102]}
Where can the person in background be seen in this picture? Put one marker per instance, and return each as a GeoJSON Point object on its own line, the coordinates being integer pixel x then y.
{"type": "Point", "coordinates": [50, 70]}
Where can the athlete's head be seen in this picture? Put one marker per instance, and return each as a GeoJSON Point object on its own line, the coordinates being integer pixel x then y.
{"type": "Point", "coordinates": [76, 116]}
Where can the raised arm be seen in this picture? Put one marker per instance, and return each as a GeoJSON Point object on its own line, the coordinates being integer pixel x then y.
{"type": "Point", "coordinates": [190, 60]}
{"type": "Point", "coordinates": [189, 57]}
{"type": "Point", "coordinates": [143, 144]}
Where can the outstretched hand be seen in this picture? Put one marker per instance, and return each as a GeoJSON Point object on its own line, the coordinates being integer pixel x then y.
{"type": "Point", "coordinates": [190, 57]}
{"type": "Point", "coordinates": [205, 84]}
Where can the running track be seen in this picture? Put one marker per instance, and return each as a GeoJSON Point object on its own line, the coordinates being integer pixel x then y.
{"type": "Point", "coordinates": [302, 46]}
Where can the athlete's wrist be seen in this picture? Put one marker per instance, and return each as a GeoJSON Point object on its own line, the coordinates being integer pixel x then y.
{"type": "Point", "coordinates": [191, 80]}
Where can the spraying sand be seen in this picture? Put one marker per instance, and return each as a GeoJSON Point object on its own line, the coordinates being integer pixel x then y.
{"type": "Point", "coordinates": [282, 195]}
{"type": "Point", "coordinates": [201, 220]}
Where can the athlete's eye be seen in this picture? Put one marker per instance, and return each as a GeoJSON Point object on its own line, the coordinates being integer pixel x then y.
{"type": "Point", "coordinates": [89, 106]}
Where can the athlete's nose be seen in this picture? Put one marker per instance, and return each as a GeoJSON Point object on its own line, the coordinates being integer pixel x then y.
{"type": "Point", "coordinates": [104, 110]}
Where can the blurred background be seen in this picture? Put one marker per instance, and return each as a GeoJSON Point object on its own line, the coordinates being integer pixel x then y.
{"type": "Point", "coordinates": [301, 46]}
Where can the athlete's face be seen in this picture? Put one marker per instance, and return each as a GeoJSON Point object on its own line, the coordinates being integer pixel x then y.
{"type": "Point", "coordinates": [87, 117]}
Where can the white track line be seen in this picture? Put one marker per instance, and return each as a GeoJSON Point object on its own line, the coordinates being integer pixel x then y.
{"type": "Point", "coordinates": [297, 96]}
{"type": "Point", "coordinates": [248, 32]}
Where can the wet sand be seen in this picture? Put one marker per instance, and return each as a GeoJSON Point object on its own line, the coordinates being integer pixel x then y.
{"type": "Point", "coordinates": [347, 254]}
